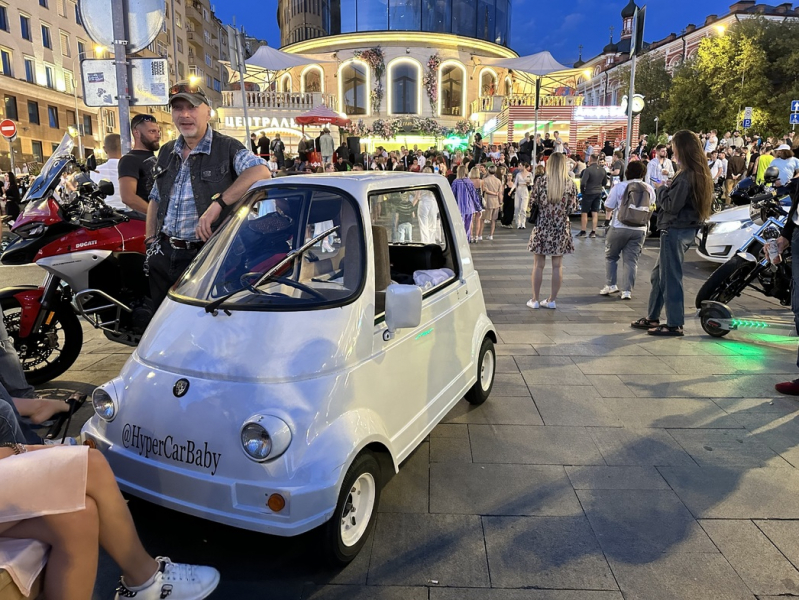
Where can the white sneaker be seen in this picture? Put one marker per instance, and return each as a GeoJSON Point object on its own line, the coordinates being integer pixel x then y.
{"type": "Point", "coordinates": [549, 304]}
{"type": "Point", "coordinates": [175, 581]}
{"type": "Point", "coordinates": [609, 289]}
{"type": "Point", "coordinates": [626, 295]}
{"type": "Point", "coordinates": [533, 304]}
{"type": "Point", "coordinates": [490, 238]}
{"type": "Point", "coordinates": [479, 238]}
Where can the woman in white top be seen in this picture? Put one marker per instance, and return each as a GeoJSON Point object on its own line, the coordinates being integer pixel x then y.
{"type": "Point", "coordinates": [522, 194]}
{"type": "Point", "coordinates": [623, 240]}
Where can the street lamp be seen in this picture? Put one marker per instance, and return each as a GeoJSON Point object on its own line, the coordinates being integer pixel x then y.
{"type": "Point", "coordinates": [720, 28]}
{"type": "Point", "coordinates": [657, 119]}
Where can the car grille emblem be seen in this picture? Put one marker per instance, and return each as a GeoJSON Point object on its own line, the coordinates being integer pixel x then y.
{"type": "Point", "coordinates": [181, 387]}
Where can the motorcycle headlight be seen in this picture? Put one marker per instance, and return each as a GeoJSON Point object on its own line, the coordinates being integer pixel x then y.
{"type": "Point", "coordinates": [104, 405]}
{"type": "Point", "coordinates": [729, 226]}
{"type": "Point", "coordinates": [30, 230]}
{"type": "Point", "coordinates": [264, 437]}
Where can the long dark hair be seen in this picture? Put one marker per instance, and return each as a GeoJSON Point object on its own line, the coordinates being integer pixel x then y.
{"type": "Point", "coordinates": [693, 165]}
{"type": "Point", "coordinates": [12, 179]}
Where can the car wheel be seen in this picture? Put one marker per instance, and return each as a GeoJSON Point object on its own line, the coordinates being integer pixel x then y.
{"type": "Point", "coordinates": [354, 518]}
{"type": "Point", "coordinates": [486, 368]}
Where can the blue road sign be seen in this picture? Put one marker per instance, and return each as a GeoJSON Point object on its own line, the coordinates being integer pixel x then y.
{"type": "Point", "coordinates": [795, 119]}
{"type": "Point", "coordinates": [795, 106]}
{"type": "Point", "coordinates": [747, 123]}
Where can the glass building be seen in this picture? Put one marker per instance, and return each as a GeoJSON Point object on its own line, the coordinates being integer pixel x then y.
{"type": "Point", "coordinates": [487, 20]}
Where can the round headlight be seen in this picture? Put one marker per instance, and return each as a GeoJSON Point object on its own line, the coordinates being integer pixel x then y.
{"type": "Point", "coordinates": [103, 404]}
{"type": "Point", "coordinates": [256, 441]}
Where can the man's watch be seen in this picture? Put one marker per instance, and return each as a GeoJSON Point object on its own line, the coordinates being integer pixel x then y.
{"type": "Point", "coordinates": [17, 448]}
{"type": "Point", "coordinates": [218, 199]}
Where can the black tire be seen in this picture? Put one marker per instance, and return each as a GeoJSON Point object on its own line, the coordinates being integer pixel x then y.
{"type": "Point", "coordinates": [710, 314]}
{"type": "Point", "coordinates": [726, 282]}
{"type": "Point", "coordinates": [45, 356]}
{"type": "Point", "coordinates": [337, 551]}
{"type": "Point", "coordinates": [486, 371]}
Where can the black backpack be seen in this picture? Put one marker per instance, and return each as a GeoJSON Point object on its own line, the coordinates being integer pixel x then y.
{"type": "Point", "coordinates": [635, 205]}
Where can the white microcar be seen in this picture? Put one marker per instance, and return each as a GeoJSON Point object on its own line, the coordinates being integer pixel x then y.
{"type": "Point", "coordinates": [318, 337]}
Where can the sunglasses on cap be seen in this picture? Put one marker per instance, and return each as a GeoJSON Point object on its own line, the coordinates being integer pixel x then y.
{"type": "Point", "coordinates": [139, 119]}
{"type": "Point", "coordinates": [186, 88]}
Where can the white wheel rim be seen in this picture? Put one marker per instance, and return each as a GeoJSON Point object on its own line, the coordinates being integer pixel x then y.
{"type": "Point", "coordinates": [358, 509]}
{"type": "Point", "coordinates": [487, 370]}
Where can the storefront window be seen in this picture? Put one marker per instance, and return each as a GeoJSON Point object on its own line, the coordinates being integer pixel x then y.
{"type": "Point", "coordinates": [486, 18]}
{"type": "Point", "coordinates": [464, 17]}
{"type": "Point", "coordinates": [405, 15]}
{"type": "Point", "coordinates": [451, 90]}
{"type": "Point", "coordinates": [312, 80]}
{"type": "Point", "coordinates": [372, 15]}
{"type": "Point", "coordinates": [437, 16]}
{"type": "Point", "coordinates": [501, 34]}
{"type": "Point", "coordinates": [347, 11]}
{"type": "Point", "coordinates": [404, 88]}
{"type": "Point", "coordinates": [353, 88]}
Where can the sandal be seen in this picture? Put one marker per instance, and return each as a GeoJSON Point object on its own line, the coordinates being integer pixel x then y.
{"type": "Point", "coordinates": [666, 330]}
{"type": "Point", "coordinates": [75, 402]}
{"type": "Point", "coordinates": [644, 323]}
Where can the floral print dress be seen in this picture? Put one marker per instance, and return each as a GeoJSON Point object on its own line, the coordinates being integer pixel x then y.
{"type": "Point", "coordinates": [552, 235]}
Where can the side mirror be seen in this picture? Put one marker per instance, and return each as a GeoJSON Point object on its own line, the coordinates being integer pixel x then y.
{"type": "Point", "coordinates": [403, 308]}
{"type": "Point", "coordinates": [91, 163]}
{"type": "Point", "coordinates": [106, 187]}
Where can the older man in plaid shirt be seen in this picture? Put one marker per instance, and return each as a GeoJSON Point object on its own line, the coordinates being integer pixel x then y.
{"type": "Point", "coordinates": [198, 178]}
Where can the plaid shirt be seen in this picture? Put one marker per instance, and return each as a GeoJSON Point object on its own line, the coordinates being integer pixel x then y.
{"type": "Point", "coordinates": [181, 214]}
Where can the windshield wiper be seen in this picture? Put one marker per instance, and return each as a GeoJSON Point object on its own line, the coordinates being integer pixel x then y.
{"type": "Point", "coordinates": [293, 254]}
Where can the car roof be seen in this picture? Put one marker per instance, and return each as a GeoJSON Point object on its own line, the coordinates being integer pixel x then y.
{"type": "Point", "coordinates": [359, 183]}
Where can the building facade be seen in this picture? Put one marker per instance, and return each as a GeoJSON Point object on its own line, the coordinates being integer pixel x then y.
{"type": "Point", "coordinates": [600, 81]}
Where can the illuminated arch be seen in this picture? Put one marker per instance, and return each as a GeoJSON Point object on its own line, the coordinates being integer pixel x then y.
{"type": "Point", "coordinates": [390, 83]}
{"type": "Point", "coordinates": [508, 85]}
{"type": "Point", "coordinates": [461, 112]}
{"type": "Point", "coordinates": [282, 83]}
{"type": "Point", "coordinates": [488, 72]}
{"type": "Point", "coordinates": [367, 83]}
{"type": "Point", "coordinates": [306, 71]}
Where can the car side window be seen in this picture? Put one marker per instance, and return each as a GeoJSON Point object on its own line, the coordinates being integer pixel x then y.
{"type": "Point", "coordinates": [420, 243]}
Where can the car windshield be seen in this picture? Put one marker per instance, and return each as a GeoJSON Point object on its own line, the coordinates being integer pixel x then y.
{"type": "Point", "coordinates": [46, 180]}
{"type": "Point", "coordinates": [258, 260]}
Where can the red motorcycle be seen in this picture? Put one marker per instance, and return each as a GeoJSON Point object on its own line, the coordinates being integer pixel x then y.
{"type": "Point", "coordinates": [94, 259]}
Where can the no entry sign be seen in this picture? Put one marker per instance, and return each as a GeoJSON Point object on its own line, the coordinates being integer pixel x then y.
{"type": "Point", "coordinates": [8, 128]}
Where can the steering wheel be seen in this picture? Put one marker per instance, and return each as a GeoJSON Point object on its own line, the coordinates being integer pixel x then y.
{"type": "Point", "coordinates": [285, 281]}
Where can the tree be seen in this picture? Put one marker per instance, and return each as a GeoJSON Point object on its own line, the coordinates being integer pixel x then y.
{"type": "Point", "coordinates": [653, 82]}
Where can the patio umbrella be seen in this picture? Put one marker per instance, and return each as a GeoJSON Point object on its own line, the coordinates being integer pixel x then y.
{"type": "Point", "coordinates": [539, 65]}
{"type": "Point", "coordinates": [322, 115]}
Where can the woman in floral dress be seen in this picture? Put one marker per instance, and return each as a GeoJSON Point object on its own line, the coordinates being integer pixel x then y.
{"type": "Point", "coordinates": [556, 197]}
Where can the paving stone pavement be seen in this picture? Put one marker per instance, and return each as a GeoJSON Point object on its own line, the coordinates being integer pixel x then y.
{"type": "Point", "coordinates": [606, 464]}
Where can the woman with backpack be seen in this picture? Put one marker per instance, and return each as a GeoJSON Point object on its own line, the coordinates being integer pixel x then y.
{"type": "Point", "coordinates": [555, 196]}
{"type": "Point", "coordinates": [684, 206]}
{"type": "Point", "coordinates": [625, 238]}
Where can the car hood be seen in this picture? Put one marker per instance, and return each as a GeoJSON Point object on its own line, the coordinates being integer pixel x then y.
{"type": "Point", "coordinates": [739, 213]}
{"type": "Point", "coordinates": [255, 346]}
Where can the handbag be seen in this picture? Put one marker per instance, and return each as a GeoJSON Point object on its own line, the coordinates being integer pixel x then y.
{"type": "Point", "coordinates": [532, 218]}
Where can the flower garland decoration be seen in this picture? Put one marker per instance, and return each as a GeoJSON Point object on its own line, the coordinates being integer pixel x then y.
{"type": "Point", "coordinates": [431, 79]}
{"type": "Point", "coordinates": [464, 127]}
{"type": "Point", "coordinates": [359, 129]}
{"type": "Point", "coordinates": [375, 58]}
{"type": "Point", "coordinates": [389, 129]}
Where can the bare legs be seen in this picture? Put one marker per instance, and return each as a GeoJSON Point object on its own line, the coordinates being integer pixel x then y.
{"type": "Point", "coordinates": [584, 221]}
{"type": "Point", "coordinates": [72, 566]}
{"type": "Point", "coordinates": [539, 260]}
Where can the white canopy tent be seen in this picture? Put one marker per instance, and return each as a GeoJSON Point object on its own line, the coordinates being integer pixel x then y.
{"type": "Point", "coordinates": [267, 62]}
{"type": "Point", "coordinates": [537, 65]}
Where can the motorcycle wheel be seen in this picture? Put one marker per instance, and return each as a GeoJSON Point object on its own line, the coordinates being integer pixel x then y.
{"type": "Point", "coordinates": [726, 282]}
{"type": "Point", "coordinates": [46, 355]}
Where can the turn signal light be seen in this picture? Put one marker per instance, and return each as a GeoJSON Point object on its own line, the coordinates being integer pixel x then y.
{"type": "Point", "coordinates": [276, 503]}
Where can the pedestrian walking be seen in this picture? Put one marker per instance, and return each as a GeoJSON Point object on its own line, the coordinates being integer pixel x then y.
{"type": "Point", "coordinates": [278, 149]}
{"type": "Point", "coordinates": [507, 200]}
{"type": "Point", "coordinates": [622, 240]}
{"type": "Point", "coordinates": [521, 186]}
{"type": "Point", "coordinates": [477, 219]}
{"type": "Point", "coordinates": [492, 192]}
{"type": "Point", "coordinates": [198, 178]}
{"type": "Point", "coordinates": [592, 184]}
{"type": "Point", "coordinates": [253, 143]}
{"type": "Point", "coordinates": [684, 205]}
{"type": "Point", "coordinates": [327, 146]}
{"type": "Point", "coordinates": [466, 196]}
{"type": "Point", "coordinates": [135, 169]}
{"type": "Point", "coordinates": [263, 146]}
{"type": "Point", "coordinates": [555, 195]}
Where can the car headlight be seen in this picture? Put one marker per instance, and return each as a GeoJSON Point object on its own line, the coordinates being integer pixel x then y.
{"type": "Point", "coordinates": [264, 437]}
{"type": "Point", "coordinates": [104, 404]}
{"type": "Point", "coordinates": [729, 226]}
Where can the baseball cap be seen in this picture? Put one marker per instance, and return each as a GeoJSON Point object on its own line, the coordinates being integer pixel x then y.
{"type": "Point", "coordinates": [188, 91]}
{"type": "Point", "coordinates": [139, 119]}
{"type": "Point", "coordinates": [783, 147]}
